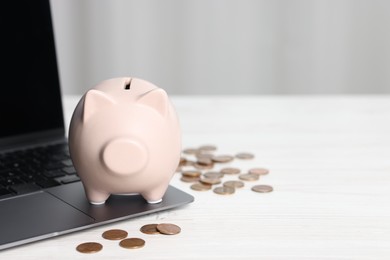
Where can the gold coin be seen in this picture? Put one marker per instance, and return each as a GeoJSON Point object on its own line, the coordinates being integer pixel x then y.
{"type": "Point", "coordinates": [230, 170]}
{"type": "Point", "coordinates": [202, 167]}
{"type": "Point", "coordinates": [168, 229]}
{"type": "Point", "coordinates": [191, 173]}
{"type": "Point", "coordinates": [245, 156]}
{"type": "Point", "coordinates": [212, 174]}
{"type": "Point", "coordinates": [150, 229]}
{"type": "Point", "coordinates": [222, 158]}
{"type": "Point", "coordinates": [89, 247]}
{"type": "Point", "coordinates": [224, 190]}
{"type": "Point", "coordinates": [189, 179]}
{"type": "Point", "coordinates": [132, 243]}
{"type": "Point", "coordinates": [207, 148]}
{"type": "Point", "coordinates": [200, 187]}
{"type": "Point", "coordinates": [262, 188]}
{"type": "Point", "coordinates": [114, 234]}
{"type": "Point", "coordinates": [188, 163]}
{"type": "Point", "coordinates": [210, 181]}
{"type": "Point", "coordinates": [183, 160]}
{"type": "Point", "coordinates": [233, 184]}
{"type": "Point", "coordinates": [249, 177]}
{"type": "Point", "coordinates": [259, 171]}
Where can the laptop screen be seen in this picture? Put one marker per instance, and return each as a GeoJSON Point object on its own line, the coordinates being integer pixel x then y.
{"type": "Point", "coordinates": [30, 96]}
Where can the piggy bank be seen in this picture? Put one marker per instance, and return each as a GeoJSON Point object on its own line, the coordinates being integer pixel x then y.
{"type": "Point", "coordinates": [125, 138]}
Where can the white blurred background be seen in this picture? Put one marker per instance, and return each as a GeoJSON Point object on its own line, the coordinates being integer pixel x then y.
{"type": "Point", "coordinates": [226, 46]}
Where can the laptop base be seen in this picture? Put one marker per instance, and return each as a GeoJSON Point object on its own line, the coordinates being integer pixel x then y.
{"type": "Point", "coordinates": [65, 209]}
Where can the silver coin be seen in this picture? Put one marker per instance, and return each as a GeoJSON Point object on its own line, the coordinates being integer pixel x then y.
{"type": "Point", "coordinates": [259, 171]}
{"type": "Point", "coordinates": [248, 177]}
{"type": "Point", "coordinates": [230, 170]}
{"type": "Point", "coordinates": [222, 158]}
{"type": "Point", "coordinates": [190, 151]}
{"type": "Point", "coordinates": [245, 156]}
{"type": "Point", "coordinates": [213, 174]}
{"type": "Point", "coordinates": [200, 186]}
{"type": "Point", "coordinates": [207, 148]}
{"type": "Point", "coordinates": [233, 184]}
{"type": "Point", "coordinates": [262, 188]}
{"type": "Point", "coordinates": [224, 190]}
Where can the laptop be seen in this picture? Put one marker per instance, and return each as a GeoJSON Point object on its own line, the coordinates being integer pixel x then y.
{"type": "Point", "coordinates": [41, 195]}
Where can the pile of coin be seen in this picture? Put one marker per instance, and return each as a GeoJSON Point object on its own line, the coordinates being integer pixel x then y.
{"type": "Point", "coordinates": [198, 170]}
{"type": "Point", "coordinates": [162, 228]}
{"type": "Point", "coordinates": [129, 243]}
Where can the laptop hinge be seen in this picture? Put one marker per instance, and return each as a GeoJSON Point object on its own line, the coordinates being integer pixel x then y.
{"type": "Point", "coordinates": [33, 139]}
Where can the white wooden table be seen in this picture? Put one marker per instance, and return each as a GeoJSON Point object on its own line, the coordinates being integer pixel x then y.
{"type": "Point", "coordinates": [329, 161]}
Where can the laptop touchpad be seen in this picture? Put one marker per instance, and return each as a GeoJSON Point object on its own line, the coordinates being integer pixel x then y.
{"type": "Point", "coordinates": [38, 214]}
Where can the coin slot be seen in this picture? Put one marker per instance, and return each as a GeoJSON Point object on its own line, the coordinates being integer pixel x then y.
{"type": "Point", "coordinates": [127, 85]}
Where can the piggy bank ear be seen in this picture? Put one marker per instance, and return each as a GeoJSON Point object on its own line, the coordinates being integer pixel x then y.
{"type": "Point", "coordinates": [95, 100]}
{"type": "Point", "coordinates": [156, 99]}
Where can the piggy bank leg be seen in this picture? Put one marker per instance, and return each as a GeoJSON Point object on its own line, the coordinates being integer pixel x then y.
{"type": "Point", "coordinates": [155, 196]}
{"type": "Point", "coordinates": [96, 197]}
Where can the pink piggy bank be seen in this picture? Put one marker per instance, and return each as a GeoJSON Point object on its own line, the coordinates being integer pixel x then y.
{"type": "Point", "coordinates": [125, 138]}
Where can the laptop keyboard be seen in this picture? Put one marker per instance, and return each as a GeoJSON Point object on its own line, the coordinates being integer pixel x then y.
{"type": "Point", "coordinates": [34, 169]}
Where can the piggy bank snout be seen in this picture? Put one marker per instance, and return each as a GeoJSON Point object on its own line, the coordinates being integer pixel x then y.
{"type": "Point", "coordinates": [124, 156]}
